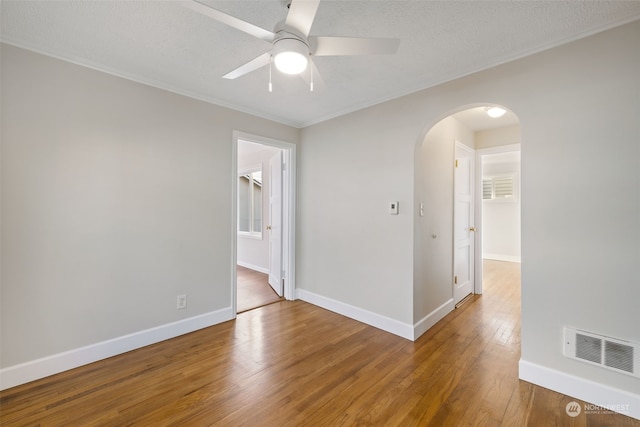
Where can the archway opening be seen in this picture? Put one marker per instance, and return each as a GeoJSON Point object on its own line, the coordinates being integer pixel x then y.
{"type": "Point", "coordinates": [467, 189]}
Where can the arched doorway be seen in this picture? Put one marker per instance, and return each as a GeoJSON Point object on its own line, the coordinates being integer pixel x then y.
{"type": "Point", "coordinates": [439, 259]}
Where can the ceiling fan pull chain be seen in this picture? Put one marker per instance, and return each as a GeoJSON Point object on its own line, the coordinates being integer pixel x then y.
{"type": "Point", "coordinates": [311, 71]}
{"type": "Point", "coordinates": [270, 67]}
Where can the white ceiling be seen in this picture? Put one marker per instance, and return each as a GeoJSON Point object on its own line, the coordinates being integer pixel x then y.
{"type": "Point", "coordinates": [164, 44]}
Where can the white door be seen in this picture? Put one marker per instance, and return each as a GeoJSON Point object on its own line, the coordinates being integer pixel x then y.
{"type": "Point", "coordinates": [275, 223]}
{"type": "Point", "coordinates": [463, 225]}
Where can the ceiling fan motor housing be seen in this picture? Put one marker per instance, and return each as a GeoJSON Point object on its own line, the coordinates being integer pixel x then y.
{"type": "Point", "coordinates": [290, 54]}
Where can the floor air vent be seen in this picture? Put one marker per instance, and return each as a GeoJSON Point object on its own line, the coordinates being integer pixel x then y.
{"type": "Point", "coordinates": [610, 353]}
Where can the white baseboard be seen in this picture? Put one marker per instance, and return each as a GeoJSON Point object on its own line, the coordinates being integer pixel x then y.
{"type": "Point", "coordinates": [600, 395]}
{"type": "Point", "coordinates": [432, 318]}
{"type": "Point", "coordinates": [40, 368]}
{"type": "Point", "coordinates": [499, 257]}
{"type": "Point", "coordinates": [387, 324]}
{"type": "Point", "coordinates": [253, 267]}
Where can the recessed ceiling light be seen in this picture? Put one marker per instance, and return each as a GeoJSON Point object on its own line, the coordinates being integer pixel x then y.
{"type": "Point", "coordinates": [495, 112]}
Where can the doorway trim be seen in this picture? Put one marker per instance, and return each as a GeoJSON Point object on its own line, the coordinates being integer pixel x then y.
{"type": "Point", "coordinates": [461, 152]}
{"type": "Point", "coordinates": [478, 206]}
{"type": "Point", "coordinates": [288, 211]}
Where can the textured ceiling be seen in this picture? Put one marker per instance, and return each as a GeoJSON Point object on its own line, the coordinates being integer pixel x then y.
{"type": "Point", "coordinates": [167, 45]}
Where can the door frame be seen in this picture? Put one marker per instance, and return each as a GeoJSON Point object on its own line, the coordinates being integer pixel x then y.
{"type": "Point", "coordinates": [459, 146]}
{"type": "Point", "coordinates": [288, 211]}
{"type": "Point", "coordinates": [478, 206]}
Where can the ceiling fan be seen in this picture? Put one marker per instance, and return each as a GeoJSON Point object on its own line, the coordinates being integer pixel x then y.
{"type": "Point", "coordinates": [292, 46]}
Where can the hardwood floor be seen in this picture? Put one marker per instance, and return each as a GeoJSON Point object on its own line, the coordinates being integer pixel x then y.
{"type": "Point", "coordinates": [294, 364]}
{"type": "Point", "coordinates": [253, 290]}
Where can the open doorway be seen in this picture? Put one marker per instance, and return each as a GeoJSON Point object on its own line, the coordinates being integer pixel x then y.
{"type": "Point", "coordinates": [449, 219]}
{"type": "Point", "coordinates": [499, 209]}
{"type": "Point", "coordinates": [496, 142]}
{"type": "Point", "coordinates": [500, 204]}
{"type": "Point", "coordinates": [264, 220]}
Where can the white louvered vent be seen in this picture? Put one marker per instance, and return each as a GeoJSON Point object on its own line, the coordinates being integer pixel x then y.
{"type": "Point", "coordinates": [611, 353]}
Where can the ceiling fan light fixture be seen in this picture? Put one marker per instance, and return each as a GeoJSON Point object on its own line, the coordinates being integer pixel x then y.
{"type": "Point", "coordinates": [495, 112]}
{"type": "Point", "coordinates": [291, 56]}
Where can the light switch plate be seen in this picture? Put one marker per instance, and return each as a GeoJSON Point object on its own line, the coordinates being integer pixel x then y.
{"type": "Point", "coordinates": [393, 208]}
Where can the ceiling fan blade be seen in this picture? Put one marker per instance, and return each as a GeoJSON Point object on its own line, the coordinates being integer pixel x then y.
{"type": "Point", "coordinates": [250, 66]}
{"type": "Point", "coordinates": [301, 14]}
{"type": "Point", "coordinates": [229, 20]}
{"type": "Point", "coordinates": [338, 46]}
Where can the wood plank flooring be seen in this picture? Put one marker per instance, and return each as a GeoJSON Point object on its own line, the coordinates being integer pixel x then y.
{"type": "Point", "coordinates": [294, 364]}
{"type": "Point", "coordinates": [253, 290]}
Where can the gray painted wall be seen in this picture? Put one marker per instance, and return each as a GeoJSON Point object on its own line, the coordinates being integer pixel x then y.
{"type": "Point", "coordinates": [116, 197]}
{"type": "Point", "coordinates": [579, 106]}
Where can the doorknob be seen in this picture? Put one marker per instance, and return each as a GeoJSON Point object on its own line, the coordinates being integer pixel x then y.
{"type": "Point", "coordinates": [472, 229]}
{"type": "Point", "coordinates": [268, 227]}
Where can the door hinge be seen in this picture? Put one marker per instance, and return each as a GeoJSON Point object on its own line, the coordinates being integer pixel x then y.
{"type": "Point", "coordinates": [456, 162]}
{"type": "Point", "coordinates": [455, 280]}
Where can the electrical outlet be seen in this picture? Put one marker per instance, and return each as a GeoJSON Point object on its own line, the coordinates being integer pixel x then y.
{"type": "Point", "coordinates": [182, 302]}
